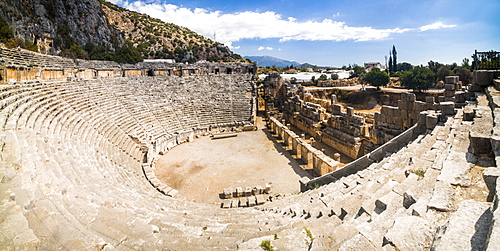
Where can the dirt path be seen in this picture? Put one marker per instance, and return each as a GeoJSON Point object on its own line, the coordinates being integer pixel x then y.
{"type": "Point", "coordinates": [201, 169]}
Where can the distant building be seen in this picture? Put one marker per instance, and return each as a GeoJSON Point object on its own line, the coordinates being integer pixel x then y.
{"type": "Point", "coordinates": [370, 65]}
{"type": "Point", "coordinates": [291, 71]}
{"type": "Point", "coordinates": [169, 61]}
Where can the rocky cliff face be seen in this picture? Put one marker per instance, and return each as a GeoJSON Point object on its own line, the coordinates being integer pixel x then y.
{"type": "Point", "coordinates": [157, 39]}
{"type": "Point", "coordinates": [59, 25]}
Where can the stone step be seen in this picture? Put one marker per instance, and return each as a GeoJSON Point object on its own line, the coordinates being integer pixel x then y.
{"type": "Point", "coordinates": [467, 228]}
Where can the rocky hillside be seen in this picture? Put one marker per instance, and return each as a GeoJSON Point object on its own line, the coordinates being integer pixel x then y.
{"type": "Point", "coordinates": [55, 25]}
{"type": "Point", "coordinates": [157, 39]}
{"type": "Point", "coordinates": [96, 29]}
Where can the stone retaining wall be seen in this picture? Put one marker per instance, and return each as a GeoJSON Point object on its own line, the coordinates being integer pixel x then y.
{"type": "Point", "coordinates": [313, 158]}
{"type": "Point", "coordinates": [22, 65]}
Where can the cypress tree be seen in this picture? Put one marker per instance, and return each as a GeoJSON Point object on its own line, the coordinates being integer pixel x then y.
{"type": "Point", "coordinates": [394, 58]}
{"type": "Point", "coordinates": [391, 68]}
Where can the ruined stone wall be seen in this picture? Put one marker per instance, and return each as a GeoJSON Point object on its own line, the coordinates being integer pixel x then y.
{"type": "Point", "coordinates": [313, 158]}
{"type": "Point", "coordinates": [22, 65]}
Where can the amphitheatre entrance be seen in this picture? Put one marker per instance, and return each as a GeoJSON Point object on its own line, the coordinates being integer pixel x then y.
{"type": "Point", "coordinates": [201, 169]}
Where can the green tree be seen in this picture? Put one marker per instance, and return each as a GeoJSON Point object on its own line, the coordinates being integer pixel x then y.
{"type": "Point", "coordinates": [391, 67]}
{"type": "Point", "coordinates": [404, 66]}
{"type": "Point", "coordinates": [334, 76]}
{"type": "Point", "coordinates": [377, 78]}
{"type": "Point", "coordinates": [293, 80]}
{"type": "Point", "coordinates": [434, 66]}
{"type": "Point", "coordinates": [418, 79]}
{"type": "Point", "coordinates": [322, 77]}
{"type": "Point", "coordinates": [127, 54]}
{"type": "Point", "coordinates": [358, 71]}
{"type": "Point", "coordinates": [74, 51]}
{"type": "Point", "coordinates": [5, 31]}
{"type": "Point", "coordinates": [465, 62]}
{"type": "Point", "coordinates": [444, 71]}
{"type": "Point", "coordinates": [464, 74]}
{"type": "Point", "coordinates": [394, 58]}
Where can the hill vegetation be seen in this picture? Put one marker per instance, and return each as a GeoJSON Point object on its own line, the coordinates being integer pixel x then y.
{"type": "Point", "coordinates": [100, 30]}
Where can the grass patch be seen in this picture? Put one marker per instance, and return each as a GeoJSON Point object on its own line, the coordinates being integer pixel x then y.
{"type": "Point", "coordinates": [314, 186]}
{"type": "Point", "coordinates": [419, 172]}
{"type": "Point", "coordinates": [309, 234]}
{"type": "Point", "coordinates": [266, 245]}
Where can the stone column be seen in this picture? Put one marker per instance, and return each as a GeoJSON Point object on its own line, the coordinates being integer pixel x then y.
{"type": "Point", "coordinates": [296, 145]}
{"type": "Point", "coordinates": [306, 156]}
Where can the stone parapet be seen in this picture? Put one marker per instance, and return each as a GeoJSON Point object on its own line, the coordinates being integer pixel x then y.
{"type": "Point", "coordinates": [312, 158]}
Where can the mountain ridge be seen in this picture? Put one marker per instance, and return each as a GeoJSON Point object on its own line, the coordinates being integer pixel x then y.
{"type": "Point", "coordinates": [265, 61]}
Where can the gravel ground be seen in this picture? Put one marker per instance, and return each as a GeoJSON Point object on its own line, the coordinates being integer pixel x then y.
{"type": "Point", "coordinates": [201, 169]}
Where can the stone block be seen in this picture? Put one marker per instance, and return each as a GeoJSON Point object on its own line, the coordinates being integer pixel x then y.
{"type": "Point", "coordinates": [448, 93]}
{"type": "Point", "coordinates": [404, 114]}
{"type": "Point", "coordinates": [243, 201]}
{"type": "Point", "coordinates": [409, 233]}
{"type": "Point", "coordinates": [248, 192]}
{"type": "Point", "coordinates": [377, 117]}
{"type": "Point", "coordinates": [449, 87]}
{"type": "Point", "coordinates": [460, 97]}
{"type": "Point", "coordinates": [350, 111]}
{"type": "Point", "coordinates": [226, 203]}
{"type": "Point", "coordinates": [252, 201]}
{"type": "Point", "coordinates": [440, 99]}
{"type": "Point", "coordinates": [475, 88]}
{"type": "Point", "coordinates": [333, 99]}
{"type": "Point", "coordinates": [235, 203]}
{"type": "Point", "coordinates": [402, 105]}
{"type": "Point", "coordinates": [490, 176]}
{"type": "Point", "coordinates": [442, 197]}
{"type": "Point", "coordinates": [239, 192]}
{"type": "Point", "coordinates": [451, 79]}
{"type": "Point", "coordinates": [468, 113]}
{"type": "Point", "coordinates": [337, 109]}
{"type": "Point", "coordinates": [447, 108]}
{"type": "Point", "coordinates": [260, 199]}
{"type": "Point", "coordinates": [482, 77]}
{"type": "Point", "coordinates": [429, 99]}
{"type": "Point", "coordinates": [412, 97]}
{"type": "Point", "coordinates": [467, 229]}
{"type": "Point", "coordinates": [228, 193]}
{"type": "Point", "coordinates": [267, 190]}
{"type": "Point", "coordinates": [431, 121]}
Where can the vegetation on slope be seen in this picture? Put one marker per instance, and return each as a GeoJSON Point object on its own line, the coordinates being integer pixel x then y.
{"type": "Point", "coordinates": [156, 39]}
{"type": "Point", "coordinates": [96, 29]}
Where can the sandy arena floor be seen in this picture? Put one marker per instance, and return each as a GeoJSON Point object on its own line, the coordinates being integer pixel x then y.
{"type": "Point", "coordinates": [201, 169]}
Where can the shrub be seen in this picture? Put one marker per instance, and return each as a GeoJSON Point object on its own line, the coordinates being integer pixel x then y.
{"type": "Point", "coordinates": [377, 78]}
{"type": "Point", "coordinates": [418, 79]}
{"type": "Point", "coordinates": [266, 245]}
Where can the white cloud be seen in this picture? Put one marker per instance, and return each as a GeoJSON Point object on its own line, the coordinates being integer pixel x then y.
{"type": "Point", "coordinates": [265, 48]}
{"type": "Point", "coordinates": [262, 25]}
{"type": "Point", "coordinates": [435, 26]}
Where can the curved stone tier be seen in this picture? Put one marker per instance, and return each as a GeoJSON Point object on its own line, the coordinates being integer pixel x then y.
{"type": "Point", "coordinates": [73, 177]}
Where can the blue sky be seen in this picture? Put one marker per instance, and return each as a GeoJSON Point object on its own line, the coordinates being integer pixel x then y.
{"type": "Point", "coordinates": [338, 32]}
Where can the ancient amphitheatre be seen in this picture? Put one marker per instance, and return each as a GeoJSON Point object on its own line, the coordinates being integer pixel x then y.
{"type": "Point", "coordinates": [81, 142]}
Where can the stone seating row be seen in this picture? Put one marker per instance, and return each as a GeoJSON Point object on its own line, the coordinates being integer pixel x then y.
{"type": "Point", "coordinates": [78, 185]}
{"type": "Point", "coordinates": [416, 184]}
{"type": "Point", "coordinates": [28, 58]}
